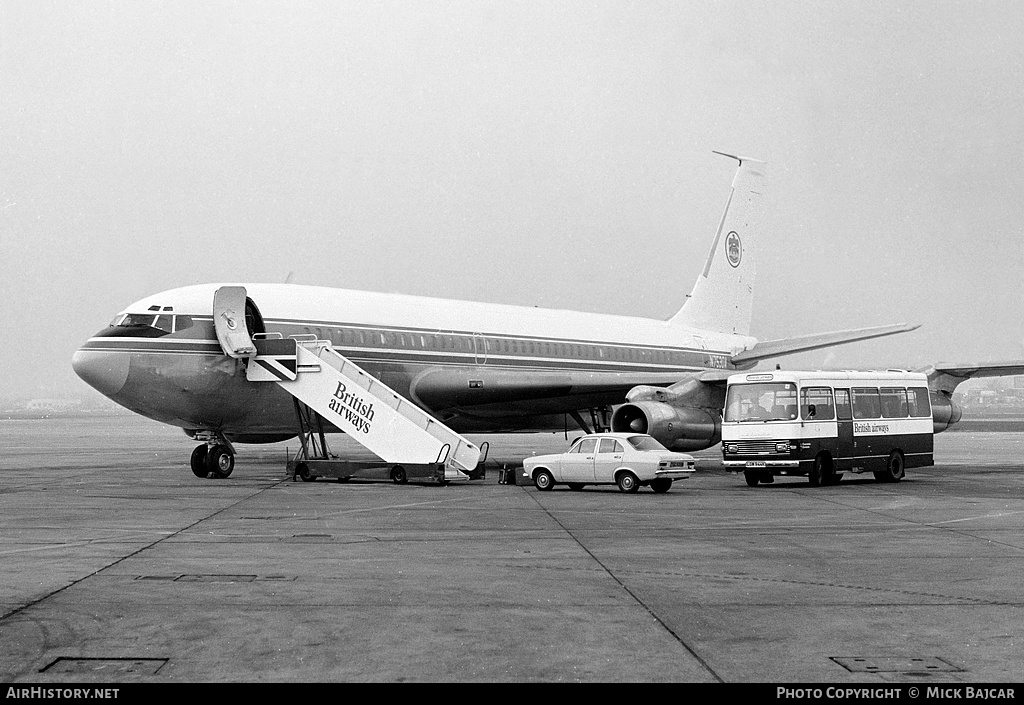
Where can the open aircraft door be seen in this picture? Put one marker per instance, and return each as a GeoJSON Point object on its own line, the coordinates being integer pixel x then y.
{"type": "Point", "coordinates": [229, 321]}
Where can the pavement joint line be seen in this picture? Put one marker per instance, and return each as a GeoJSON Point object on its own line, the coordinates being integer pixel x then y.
{"type": "Point", "coordinates": [134, 553]}
{"type": "Point", "coordinates": [704, 664]}
{"type": "Point", "coordinates": [940, 526]}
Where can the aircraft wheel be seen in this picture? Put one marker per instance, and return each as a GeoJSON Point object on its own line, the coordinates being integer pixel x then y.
{"type": "Point", "coordinates": [627, 482]}
{"type": "Point", "coordinates": [398, 475]}
{"type": "Point", "coordinates": [544, 480]}
{"type": "Point", "coordinates": [752, 478]}
{"type": "Point", "coordinates": [660, 486]}
{"type": "Point", "coordinates": [198, 461]}
{"type": "Point", "coordinates": [220, 461]}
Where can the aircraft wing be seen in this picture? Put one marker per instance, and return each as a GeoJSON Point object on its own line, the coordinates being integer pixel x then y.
{"type": "Point", "coordinates": [786, 346]}
{"type": "Point", "coordinates": [945, 377]}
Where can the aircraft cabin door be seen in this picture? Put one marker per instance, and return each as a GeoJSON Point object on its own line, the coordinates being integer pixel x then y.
{"type": "Point", "coordinates": [844, 424]}
{"type": "Point", "coordinates": [479, 349]}
{"type": "Point", "coordinates": [229, 321]}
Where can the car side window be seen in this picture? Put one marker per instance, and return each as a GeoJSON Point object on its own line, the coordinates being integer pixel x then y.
{"type": "Point", "coordinates": [609, 445]}
{"type": "Point", "coordinates": [587, 445]}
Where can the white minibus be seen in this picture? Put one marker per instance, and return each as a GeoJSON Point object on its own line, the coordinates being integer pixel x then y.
{"type": "Point", "coordinates": [823, 424]}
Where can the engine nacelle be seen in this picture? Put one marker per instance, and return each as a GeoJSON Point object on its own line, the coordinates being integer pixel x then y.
{"type": "Point", "coordinates": [945, 412]}
{"type": "Point", "coordinates": [678, 428]}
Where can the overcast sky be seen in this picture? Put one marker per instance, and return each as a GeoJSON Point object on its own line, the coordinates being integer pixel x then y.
{"type": "Point", "coordinates": [540, 153]}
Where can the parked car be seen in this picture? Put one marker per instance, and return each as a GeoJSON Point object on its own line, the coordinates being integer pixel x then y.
{"type": "Point", "coordinates": [629, 460]}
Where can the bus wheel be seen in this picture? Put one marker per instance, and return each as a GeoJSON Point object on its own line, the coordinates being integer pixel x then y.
{"type": "Point", "coordinates": [894, 468]}
{"type": "Point", "coordinates": [752, 478]}
{"type": "Point", "coordinates": [817, 472]}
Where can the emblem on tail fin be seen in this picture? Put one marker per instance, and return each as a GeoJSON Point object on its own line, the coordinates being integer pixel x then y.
{"type": "Point", "coordinates": [733, 248]}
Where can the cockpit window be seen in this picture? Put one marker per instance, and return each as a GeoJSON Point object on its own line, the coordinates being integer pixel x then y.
{"type": "Point", "coordinates": [138, 319]}
{"type": "Point", "coordinates": [147, 325]}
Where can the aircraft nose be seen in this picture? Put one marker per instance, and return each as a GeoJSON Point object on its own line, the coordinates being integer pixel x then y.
{"type": "Point", "coordinates": [104, 372]}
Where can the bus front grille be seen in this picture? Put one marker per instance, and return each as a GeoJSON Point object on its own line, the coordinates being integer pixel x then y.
{"type": "Point", "coordinates": [752, 447]}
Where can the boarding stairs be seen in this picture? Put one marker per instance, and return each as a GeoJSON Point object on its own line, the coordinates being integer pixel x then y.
{"type": "Point", "coordinates": [371, 413]}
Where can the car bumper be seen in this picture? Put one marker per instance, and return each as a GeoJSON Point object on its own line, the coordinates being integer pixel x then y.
{"type": "Point", "coordinates": [673, 474]}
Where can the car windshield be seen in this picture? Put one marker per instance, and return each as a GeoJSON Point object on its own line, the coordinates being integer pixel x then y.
{"type": "Point", "coordinates": [645, 443]}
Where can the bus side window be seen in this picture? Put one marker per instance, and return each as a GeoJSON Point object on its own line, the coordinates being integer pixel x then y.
{"type": "Point", "coordinates": [894, 403]}
{"type": "Point", "coordinates": [843, 410]}
{"type": "Point", "coordinates": [817, 400]}
{"type": "Point", "coordinates": [918, 399]}
{"type": "Point", "coordinates": [865, 403]}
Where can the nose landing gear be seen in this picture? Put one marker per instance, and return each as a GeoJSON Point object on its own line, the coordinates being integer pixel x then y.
{"type": "Point", "coordinates": [215, 458]}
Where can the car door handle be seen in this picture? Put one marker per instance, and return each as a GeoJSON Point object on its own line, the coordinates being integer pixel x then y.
{"type": "Point", "coordinates": [590, 457]}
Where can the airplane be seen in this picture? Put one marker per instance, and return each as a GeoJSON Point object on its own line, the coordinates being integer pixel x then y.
{"type": "Point", "coordinates": [181, 358]}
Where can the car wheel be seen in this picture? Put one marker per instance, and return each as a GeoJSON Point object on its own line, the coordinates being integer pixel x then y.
{"type": "Point", "coordinates": [627, 482]}
{"type": "Point", "coordinates": [660, 486]}
{"type": "Point", "coordinates": [543, 480]}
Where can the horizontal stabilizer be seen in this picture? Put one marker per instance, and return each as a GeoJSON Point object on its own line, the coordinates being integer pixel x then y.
{"type": "Point", "coordinates": [946, 377]}
{"type": "Point", "coordinates": [788, 346]}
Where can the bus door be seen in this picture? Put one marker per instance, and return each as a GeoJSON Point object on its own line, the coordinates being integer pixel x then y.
{"type": "Point", "coordinates": [844, 424]}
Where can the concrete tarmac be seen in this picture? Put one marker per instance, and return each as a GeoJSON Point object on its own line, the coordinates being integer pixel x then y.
{"type": "Point", "coordinates": [118, 565]}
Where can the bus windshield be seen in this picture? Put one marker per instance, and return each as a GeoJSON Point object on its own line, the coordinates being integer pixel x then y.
{"type": "Point", "coordinates": [775, 401]}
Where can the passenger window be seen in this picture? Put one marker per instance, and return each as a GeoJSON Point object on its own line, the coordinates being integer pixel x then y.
{"type": "Point", "coordinates": [894, 403]}
{"type": "Point", "coordinates": [918, 399]}
{"type": "Point", "coordinates": [587, 445]}
{"type": "Point", "coordinates": [818, 400]}
{"type": "Point", "coordinates": [608, 445]}
{"type": "Point", "coordinates": [865, 403]}
{"type": "Point", "coordinates": [843, 410]}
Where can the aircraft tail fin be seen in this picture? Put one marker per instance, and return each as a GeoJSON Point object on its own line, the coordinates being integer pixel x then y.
{"type": "Point", "coordinates": [722, 298]}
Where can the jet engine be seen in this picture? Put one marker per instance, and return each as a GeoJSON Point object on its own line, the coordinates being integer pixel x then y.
{"type": "Point", "coordinates": [678, 428]}
{"type": "Point", "coordinates": [945, 412]}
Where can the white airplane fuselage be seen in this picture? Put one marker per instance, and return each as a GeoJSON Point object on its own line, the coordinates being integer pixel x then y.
{"type": "Point", "coordinates": [477, 366]}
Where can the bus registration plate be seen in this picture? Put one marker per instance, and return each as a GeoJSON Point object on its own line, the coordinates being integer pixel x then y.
{"type": "Point", "coordinates": [755, 464]}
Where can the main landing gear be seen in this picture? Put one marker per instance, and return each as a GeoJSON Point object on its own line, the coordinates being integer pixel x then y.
{"type": "Point", "coordinates": [215, 458]}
